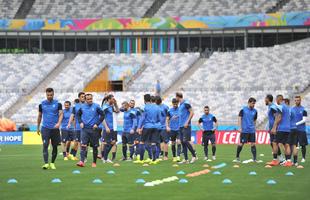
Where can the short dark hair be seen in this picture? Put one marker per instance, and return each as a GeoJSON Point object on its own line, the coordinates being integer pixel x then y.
{"type": "Point", "coordinates": [252, 100]}
{"type": "Point", "coordinates": [158, 100]}
{"type": "Point", "coordinates": [298, 96]}
{"type": "Point", "coordinates": [76, 100]}
{"type": "Point", "coordinates": [280, 96]}
{"type": "Point", "coordinates": [81, 93]}
{"type": "Point", "coordinates": [110, 96]}
{"type": "Point", "coordinates": [179, 94]}
{"type": "Point", "coordinates": [147, 98]}
{"type": "Point", "coordinates": [207, 107]}
{"type": "Point", "coordinates": [269, 97]}
{"type": "Point", "coordinates": [68, 102]}
{"type": "Point", "coordinates": [174, 100]}
{"type": "Point", "coordinates": [49, 90]}
{"type": "Point", "coordinates": [89, 94]}
{"type": "Point", "coordinates": [153, 99]}
{"type": "Point", "coordinates": [286, 100]}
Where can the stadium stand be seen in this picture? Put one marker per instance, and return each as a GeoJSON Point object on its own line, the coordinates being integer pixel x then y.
{"type": "Point", "coordinates": [60, 9]}
{"type": "Point", "coordinates": [8, 8]}
{"type": "Point", "coordinates": [296, 5]}
{"type": "Point", "coordinates": [213, 7]}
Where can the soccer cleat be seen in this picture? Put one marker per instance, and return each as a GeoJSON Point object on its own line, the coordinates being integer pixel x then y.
{"type": "Point", "coordinates": [296, 164]}
{"type": "Point", "coordinates": [213, 158]}
{"type": "Point", "coordinates": [138, 162]}
{"type": "Point", "coordinates": [45, 166]}
{"type": "Point", "coordinates": [93, 165]}
{"type": "Point", "coordinates": [154, 162]}
{"type": "Point", "coordinates": [148, 160]}
{"type": "Point", "coordinates": [52, 166]}
{"type": "Point", "coordinates": [85, 161]}
{"type": "Point", "coordinates": [281, 159]}
{"type": "Point", "coordinates": [80, 164]}
{"type": "Point", "coordinates": [288, 163]}
{"type": "Point", "coordinates": [174, 159]}
{"type": "Point", "coordinates": [274, 163]}
{"type": "Point", "coordinates": [183, 162]}
{"type": "Point", "coordinates": [70, 156]}
{"type": "Point", "coordinates": [237, 160]}
{"type": "Point", "coordinates": [138, 157]}
{"type": "Point", "coordinates": [205, 159]}
{"type": "Point", "coordinates": [178, 159]}
{"type": "Point", "coordinates": [193, 160]}
{"type": "Point", "coordinates": [75, 158]}
{"type": "Point", "coordinates": [303, 160]}
{"type": "Point", "coordinates": [66, 158]}
{"type": "Point", "coordinates": [129, 159]}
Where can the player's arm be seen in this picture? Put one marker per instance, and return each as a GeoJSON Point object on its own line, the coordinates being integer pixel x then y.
{"type": "Point", "coordinates": [168, 122]}
{"type": "Point", "coordinates": [200, 121]}
{"type": "Point", "coordinates": [276, 122]}
{"type": "Point", "coordinates": [141, 122]}
{"type": "Point", "coordinates": [101, 117]}
{"type": "Point", "coordinates": [304, 118]}
{"type": "Point", "coordinates": [134, 123]}
{"type": "Point", "coordinates": [79, 117]}
{"type": "Point", "coordinates": [255, 119]}
{"type": "Point", "coordinates": [60, 117]}
{"type": "Point", "coordinates": [191, 114]}
{"type": "Point", "coordinates": [107, 129]}
{"type": "Point", "coordinates": [71, 119]}
{"type": "Point", "coordinates": [240, 120]}
{"type": "Point", "coordinates": [39, 119]}
{"type": "Point", "coordinates": [116, 108]}
{"type": "Point", "coordinates": [216, 125]}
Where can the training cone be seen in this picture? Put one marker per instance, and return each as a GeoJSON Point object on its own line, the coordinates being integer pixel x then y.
{"type": "Point", "coordinates": [180, 172]}
{"type": "Point", "coordinates": [205, 165]}
{"type": "Point", "coordinates": [261, 155]}
{"type": "Point", "coordinates": [97, 181]}
{"type": "Point", "coordinates": [140, 180]}
{"type": "Point", "coordinates": [145, 165]}
{"type": "Point", "coordinates": [300, 167]}
{"type": "Point", "coordinates": [227, 181]}
{"type": "Point", "coordinates": [252, 173]}
{"type": "Point", "coordinates": [271, 182]}
{"type": "Point", "coordinates": [12, 181]}
{"type": "Point", "coordinates": [110, 172]}
{"type": "Point", "coordinates": [116, 165]}
{"type": "Point", "coordinates": [289, 174]}
{"type": "Point", "coordinates": [145, 172]}
{"type": "Point", "coordinates": [217, 173]}
{"type": "Point", "coordinates": [56, 180]}
{"type": "Point", "coordinates": [149, 184]}
{"type": "Point", "coordinates": [76, 172]}
{"type": "Point", "coordinates": [268, 166]}
{"type": "Point", "coordinates": [183, 181]}
{"type": "Point", "coordinates": [236, 166]}
{"type": "Point", "coordinates": [175, 165]}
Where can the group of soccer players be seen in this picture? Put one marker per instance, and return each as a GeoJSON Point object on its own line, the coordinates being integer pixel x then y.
{"type": "Point", "coordinates": [150, 128]}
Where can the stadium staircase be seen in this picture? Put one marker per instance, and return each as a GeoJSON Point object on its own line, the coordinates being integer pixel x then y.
{"type": "Point", "coordinates": [279, 5]}
{"type": "Point", "coordinates": [128, 83]}
{"type": "Point", "coordinates": [41, 86]}
{"type": "Point", "coordinates": [154, 8]}
{"type": "Point", "coordinates": [175, 86]}
{"type": "Point", "coordinates": [24, 9]}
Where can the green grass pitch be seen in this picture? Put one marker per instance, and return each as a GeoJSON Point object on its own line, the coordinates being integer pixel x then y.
{"type": "Point", "coordinates": [24, 164]}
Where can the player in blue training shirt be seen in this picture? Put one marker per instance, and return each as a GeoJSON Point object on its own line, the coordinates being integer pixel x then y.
{"type": "Point", "coordinates": [67, 133]}
{"type": "Point", "coordinates": [77, 128]}
{"type": "Point", "coordinates": [272, 113]}
{"type": "Point", "coordinates": [300, 116]}
{"type": "Point", "coordinates": [138, 112]}
{"type": "Point", "coordinates": [282, 130]}
{"type": "Point", "coordinates": [164, 137]}
{"type": "Point", "coordinates": [173, 130]}
{"type": "Point", "coordinates": [247, 122]}
{"type": "Point", "coordinates": [50, 111]}
{"type": "Point", "coordinates": [147, 128]}
{"type": "Point", "coordinates": [208, 124]}
{"type": "Point", "coordinates": [89, 115]}
{"type": "Point", "coordinates": [129, 127]}
{"type": "Point", "coordinates": [185, 116]}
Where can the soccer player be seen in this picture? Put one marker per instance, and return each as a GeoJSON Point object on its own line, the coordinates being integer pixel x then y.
{"type": "Point", "coordinates": [77, 129]}
{"type": "Point", "coordinates": [247, 122]}
{"type": "Point", "coordinates": [67, 133]}
{"type": "Point", "coordinates": [272, 113]}
{"type": "Point", "coordinates": [293, 136]}
{"type": "Point", "coordinates": [129, 126]}
{"type": "Point", "coordinates": [300, 119]}
{"type": "Point", "coordinates": [172, 127]}
{"type": "Point", "coordinates": [208, 124]}
{"type": "Point", "coordinates": [164, 137]}
{"type": "Point", "coordinates": [138, 113]}
{"type": "Point", "coordinates": [51, 112]}
{"type": "Point", "coordinates": [147, 128]}
{"type": "Point", "coordinates": [185, 115]}
{"type": "Point", "coordinates": [281, 129]}
{"type": "Point", "coordinates": [109, 136]}
{"type": "Point", "coordinates": [89, 117]}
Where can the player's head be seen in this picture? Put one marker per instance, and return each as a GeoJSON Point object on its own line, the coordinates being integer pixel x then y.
{"type": "Point", "coordinates": [89, 98]}
{"type": "Point", "coordinates": [158, 100]}
{"type": "Point", "coordinates": [147, 98]}
{"type": "Point", "coordinates": [132, 103]}
{"type": "Point", "coordinates": [67, 104]}
{"type": "Point", "coordinates": [206, 110]}
{"type": "Point", "coordinates": [279, 99]}
{"type": "Point", "coordinates": [153, 99]}
{"type": "Point", "coordinates": [179, 96]}
{"type": "Point", "coordinates": [297, 100]}
{"type": "Point", "coordinates": [125, 105]}
{"type": "Point", "coordinates": [251, 102]}
{"type": "Point", "coordinates": [268, 99]}
{"type": "Point", "coordinates": [286, 101]}
{"type": "Point", "coordinates": [76, 101]}
{"type": "Point", "coordinates": [49, 94]}
{"type": "Point", "coordinates": [81, 96]}
{"type": "Point", "coordinates": [110, 99]}
{"type": "Point", "coordinates": [175, 103]}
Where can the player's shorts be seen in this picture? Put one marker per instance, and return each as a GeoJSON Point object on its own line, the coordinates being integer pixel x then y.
{"type": "Point", "coordinates": [67, 135]}
{"type": "Point", "coordinates": [302, 138]}
{"type": "Point", "coordinates": [174, 135]}
{"type": "Point", "coordinates": [137, 137]}
{"type": "Point", "coordinates": [164, 136]}
{"type": "Point", "coordinates": [50, 134]}
{"type": "Point", "coordinates": [77, 134]}
{"type": "Point", "coordinates": [109, 137]}
{"type": "Point", "coordinates": [150, 135]}
{"type": "Point", "coordinates": [185, 134]}
{"type": "Point", "coordinates": [247, 137]}
{"type": "Point", "coordinates": [128, 138]}
{"type": "Point", "coordinates": [90, 136]}
{"type": "Point", "coordinates": [208, 136]}
{"type": "Point", "coordinates": [282, 137]}
{"type": "Point", "coordinates": [293, 137]}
